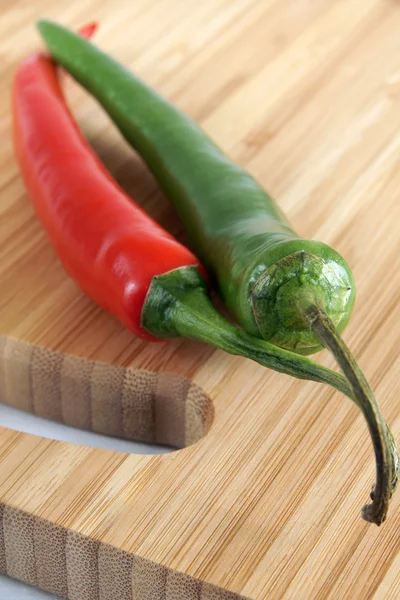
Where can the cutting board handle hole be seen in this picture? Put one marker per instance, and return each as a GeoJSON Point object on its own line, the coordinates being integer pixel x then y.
{"type": "Point", "coordinates": [126, 403]}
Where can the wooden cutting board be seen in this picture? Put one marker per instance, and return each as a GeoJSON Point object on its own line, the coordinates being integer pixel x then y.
{"type": "Point", "coordinates": [263, 499]}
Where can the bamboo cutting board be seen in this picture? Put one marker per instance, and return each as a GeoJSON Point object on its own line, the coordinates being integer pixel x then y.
{"type": "Point", "coordinates": [262, 500]}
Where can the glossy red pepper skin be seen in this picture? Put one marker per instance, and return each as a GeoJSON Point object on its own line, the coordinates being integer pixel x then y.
{"type": "Point", "coordinates": [107, 244]}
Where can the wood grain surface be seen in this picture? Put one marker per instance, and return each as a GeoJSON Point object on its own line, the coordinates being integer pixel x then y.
{"type": "Point", "coordinates": [262, 500]}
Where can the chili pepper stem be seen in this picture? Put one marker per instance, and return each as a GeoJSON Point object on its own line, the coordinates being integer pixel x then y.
{"type": "Point", "coordinates": [178, 304]}
{"type": "Point", "coordinates": [276, 293]}
{"type": "Point", "coordinates": [386, 453]}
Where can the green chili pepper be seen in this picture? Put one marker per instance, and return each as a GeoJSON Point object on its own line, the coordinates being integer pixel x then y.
{"type": "Point", "coordinates": [294, 293]}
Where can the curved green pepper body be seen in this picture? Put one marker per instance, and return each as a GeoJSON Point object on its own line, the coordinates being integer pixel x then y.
{"type": "Point", "coordinates": [235, 227]}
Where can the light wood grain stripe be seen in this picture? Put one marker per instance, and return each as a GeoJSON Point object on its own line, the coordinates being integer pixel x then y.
{"type": "Point", "coordinates": [76, 392]}
{"type": "Point", "coordinates": [115, 573]}
{"type": "Point", "coordinates": [19, 545]}
{"type": "Point", "coordinates": [3, 391]}
{"type": "Point", "coordinates": [148, 580]}
{"type": "Point", "coordinates": [82, 567]}
{"type": "Point", "coordinates": [46, 389]}
{"type": "Point", "coordinates": [170, 410]}
{"type": "Point", "coordinates": [138, 419]}
{"type": "Point", "coordinates": [3, 567]}
{"type": "Point", "coordinates": [106, 393]}
{"type": "Point", "coordinates": [19, 382]}
{"type": "Point", "coordinates": [199, 414]}
{"type": "Point", "coordinates": [15, 373]}
{"type": "Point", "coordinates": [50, 557]}
{"type": "Point", "coordinates": [211, 592]}
{"type": "Point", "coordinates": [182, 587]}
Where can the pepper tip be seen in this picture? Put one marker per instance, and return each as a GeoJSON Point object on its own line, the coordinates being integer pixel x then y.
{"type": "Point", "coordinates": [87, 31]}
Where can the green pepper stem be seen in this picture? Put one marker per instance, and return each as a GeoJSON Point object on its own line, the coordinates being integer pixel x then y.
{"type": "Point", "coordinates": [386, 453]}
{"type": "Point", "coordinates": [178, 304]}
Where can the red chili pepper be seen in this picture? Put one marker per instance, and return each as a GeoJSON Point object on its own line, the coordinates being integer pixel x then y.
{"type": "Point", "coordinates": [87, 31]}
{"type": "Point", "coordinates": [109, 245]}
